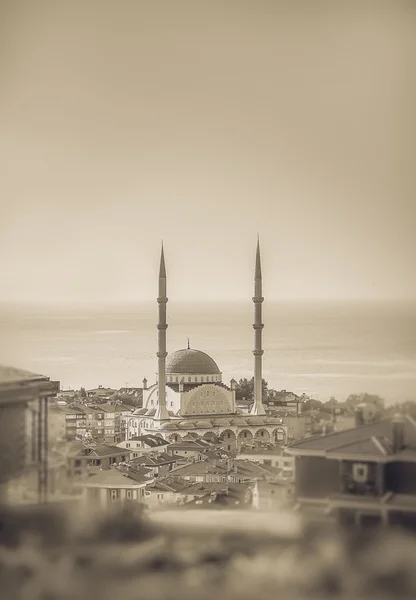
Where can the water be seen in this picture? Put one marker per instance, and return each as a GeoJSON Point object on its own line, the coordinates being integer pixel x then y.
{"type": "Point", "coordinates": [322, 349]}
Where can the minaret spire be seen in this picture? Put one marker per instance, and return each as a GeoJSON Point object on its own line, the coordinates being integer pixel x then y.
{"type": "Point", "coordinates": [162, 411]}
{"type": "Point", "coordinates": [258, 408]}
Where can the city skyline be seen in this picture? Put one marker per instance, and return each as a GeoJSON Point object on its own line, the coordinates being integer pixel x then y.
{"type": "Point", "coordinates": [202, 125]}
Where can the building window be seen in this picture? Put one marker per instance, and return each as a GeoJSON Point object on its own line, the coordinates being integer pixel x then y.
{"type": "Point", "coordinates": [114, 494]}
{"type": "Point", "coordinates": [189, 379]}
{"type": "Point", "coordinates": [159, 496]}
{"type": "Point", "coordinates": [128, 494]}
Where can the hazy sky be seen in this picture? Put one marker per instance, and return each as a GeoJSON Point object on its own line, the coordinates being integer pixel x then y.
{"type": "Point", "coordinates": [203, 123]}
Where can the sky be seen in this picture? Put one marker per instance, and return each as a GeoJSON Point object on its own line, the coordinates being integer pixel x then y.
{"type": "Point", "coordinates": [203, 124]}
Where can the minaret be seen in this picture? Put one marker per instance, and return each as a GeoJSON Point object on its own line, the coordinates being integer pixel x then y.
{"type": "Point", "coordinates": [258, 408]}
{"type": "Point", "coordinates": [162, 411]}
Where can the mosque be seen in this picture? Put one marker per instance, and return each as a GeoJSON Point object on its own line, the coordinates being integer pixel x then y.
{"type": "Point", "coordinates": [190, 399]}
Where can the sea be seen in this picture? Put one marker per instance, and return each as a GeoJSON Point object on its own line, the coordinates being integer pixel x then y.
{"type": "Point", "coordinates": [323, 349]}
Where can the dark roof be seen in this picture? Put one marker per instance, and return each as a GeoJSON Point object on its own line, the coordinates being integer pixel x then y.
{"type": "Point", "coordinates": [153, 460]}
{"type": "Point", "coordinates": [104, 450]}
{"type": "Point", "coordinates": [139, 474]}
{"type": "Point", "coordinates": [151, 440]}
{"type": "Point", "coordinates": [169, 484]}
{"type": "Point", "coordinates": [201, 467]}
{"type": "Point", "coordinates": [369, 446]}
{"type": "Point", "coordinates": [338, 439]}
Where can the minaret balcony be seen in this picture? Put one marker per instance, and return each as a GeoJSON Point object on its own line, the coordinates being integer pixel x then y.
{"type": "Point", "coordinates": [258, 299]}
{"type": "Point", "coordinates": [161, 354]}
{"type": "Point", "coordinates": [162, 300]}
{"type": "Point", "coordinates": [162, 326]}
{"type": "Point", "coordinates": [258, 352]}
{"type": "Point", "coordinates": [258, 325]}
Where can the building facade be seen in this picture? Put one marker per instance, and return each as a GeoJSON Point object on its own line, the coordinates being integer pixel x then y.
{"type": "Point", "coordinates": [364, 475]}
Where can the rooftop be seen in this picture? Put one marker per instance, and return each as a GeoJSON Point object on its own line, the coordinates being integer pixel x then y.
{"type": "Point", "coordinates": [352, 437]}
{"type": "Point", "coordinates": [112, 478]}
{"type": "Point", "coordinates": [16, 382]}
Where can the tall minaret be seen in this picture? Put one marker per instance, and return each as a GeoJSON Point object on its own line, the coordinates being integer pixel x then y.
{"type": "Point", "coordinates": [162, 411]}
{"type": "Point", "coordinates": [258, 408]}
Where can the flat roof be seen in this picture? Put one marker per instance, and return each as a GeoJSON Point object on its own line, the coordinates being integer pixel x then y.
{"type": "Point", "coordinates": [18, 386]}
{"type": "Point", "coordinates": [12, 375]}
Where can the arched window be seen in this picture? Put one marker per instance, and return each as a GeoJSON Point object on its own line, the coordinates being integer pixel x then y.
{"type": "Point", "coordinates": [177, 379]}
{"type": "Point", "coordinates": [189, 379]}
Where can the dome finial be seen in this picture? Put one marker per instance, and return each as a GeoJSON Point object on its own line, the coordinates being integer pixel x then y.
{"type": "Point", "coordinates": [188, 345]}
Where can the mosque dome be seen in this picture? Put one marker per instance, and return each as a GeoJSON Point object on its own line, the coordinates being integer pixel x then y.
{"type": "Point", "coordinates": [191, 362]}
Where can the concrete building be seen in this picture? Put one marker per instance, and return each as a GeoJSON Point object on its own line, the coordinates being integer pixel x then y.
{"type": "Point", "coordinates": [364, 475]}
{"type": "Point", "coordinates": [272, 456]}
{"type": "Point", "coordinates": [144, 444]}
{"type": "Point", "coordinates": [160, 464]}
{"type": "Point", "coordinates": [24, 399]}
{"type": "Point", "coordinates": [111, 488]}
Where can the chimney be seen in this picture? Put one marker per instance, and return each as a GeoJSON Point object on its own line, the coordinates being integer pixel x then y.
{"type": "Point", "coordinates": [145, 383]}
{"type": "Point", "coordinates": [398, 424]}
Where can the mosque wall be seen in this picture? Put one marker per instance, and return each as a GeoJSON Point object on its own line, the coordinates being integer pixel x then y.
{"type": "Point", "coordinates": [207, 400]}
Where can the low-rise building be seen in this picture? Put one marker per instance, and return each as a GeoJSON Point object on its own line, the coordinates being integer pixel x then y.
{"type": "Point", "coordinates": [75, 420]}
{"type": "Point", "coordinates": [161, 493]}
{"type": "Point", "coordinates": [144, 444]}
{"type": "Point", "coordinates": [224, 471]}
{"type": "Point", "coordinates": [189, 448]}
{"type": "Point", "coordinates": [160, 463]}
{"type": "Point", "coordinates": [364, 475]}
{"type": "Point", "coordinates": [214, 495]}
{"type": "Point", "coordinates": [274, 456]}
{"type": "Point", "coordinates": [100, 393]}
{"type": "Point", "coordinates": [82, 459]}
{"type": "Point", "coordinates": [269, 495]}
{"type": "Point", "coordinates": [110, 488]}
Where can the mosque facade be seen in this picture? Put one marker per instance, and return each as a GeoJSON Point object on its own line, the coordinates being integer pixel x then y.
{"type": "Point", "coordinates": [190, 399]}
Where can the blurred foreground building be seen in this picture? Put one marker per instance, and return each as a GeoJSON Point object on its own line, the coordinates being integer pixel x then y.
{"type": "Point", "coordinates": [24, 399]}
{"type": "Point", "coordinates": [364, 475]}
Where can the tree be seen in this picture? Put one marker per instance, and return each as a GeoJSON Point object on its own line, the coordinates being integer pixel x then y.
{"type": "Point", "coordinates": [245, 389]}
{"type": "Point", "coordinates": [311, 405]}
{"type": "Point", "coordinates": [82, 393]}
{"type": "Point", "coordinates": [354, 399]}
